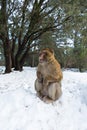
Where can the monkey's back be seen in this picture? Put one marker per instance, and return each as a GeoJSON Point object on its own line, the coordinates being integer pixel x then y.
{"type": "Point", "coordinates": [51, 69]}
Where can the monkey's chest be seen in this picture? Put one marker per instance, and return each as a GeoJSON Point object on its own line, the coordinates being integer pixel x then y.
{"type": "Point", "coordinates": [49, 70]}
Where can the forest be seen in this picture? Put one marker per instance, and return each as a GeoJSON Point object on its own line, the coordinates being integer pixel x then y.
{"type": "Point", "coordinates": [27, 26]}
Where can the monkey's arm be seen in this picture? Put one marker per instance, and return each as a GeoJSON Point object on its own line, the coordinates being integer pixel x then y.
{"type": "Point", "coordinates": [52, 78]}
{"type": "Point", "coordinates": [49, 79]}
{"type": "Point", "coordinates": [54, 73]}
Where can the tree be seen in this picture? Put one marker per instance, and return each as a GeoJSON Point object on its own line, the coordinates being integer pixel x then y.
{"type": "Point", "coordinates": [4, 36]}
{"type": "Point", "coordinates": [23, 22]}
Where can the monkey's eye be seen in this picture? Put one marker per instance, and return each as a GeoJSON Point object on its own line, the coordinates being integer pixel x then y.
{"type": "Point", "coordinates": [42, 53]}
{"type": "Point", "coordinates": [46, 53]}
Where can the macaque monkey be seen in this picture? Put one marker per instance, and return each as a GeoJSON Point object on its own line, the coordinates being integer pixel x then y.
{"type": "Point", "coordinates": [49, 76]}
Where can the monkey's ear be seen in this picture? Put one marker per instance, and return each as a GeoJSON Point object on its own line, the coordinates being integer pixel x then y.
{"type": "Point", "coordinates": [51, 50]}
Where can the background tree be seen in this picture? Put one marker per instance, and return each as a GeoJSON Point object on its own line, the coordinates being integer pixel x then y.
{"type": "Point", "coordinates": [25, 25]}
{"type": "Point", "coordinates": [22, 22]}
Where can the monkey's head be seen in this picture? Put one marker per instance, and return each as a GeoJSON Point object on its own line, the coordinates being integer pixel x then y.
{"type": "Point", "coordinates": [46, 55]}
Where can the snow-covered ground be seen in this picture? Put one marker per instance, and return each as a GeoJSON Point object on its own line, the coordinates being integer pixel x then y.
{"type": "Point", "coordinates": [21, 109]}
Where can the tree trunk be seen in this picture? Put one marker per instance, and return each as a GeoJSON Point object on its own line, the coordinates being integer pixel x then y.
{"type": "Point", "coordinates": [13, 60]}
{"type": "Point", "coordinates": [7, 53]}
{"type": "Point", "coordinates": [17, 63]}
{"type": "Point", "coordinates": [24, 58]}
{"type": "Point", "coordinates": [20, 62]}
{"type": "Point", "coordinates": [17, 59]}
{"type": "Point", "coordinates": [12, 52]}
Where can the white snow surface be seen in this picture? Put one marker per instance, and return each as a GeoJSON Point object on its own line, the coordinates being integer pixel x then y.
{"type": "Point", "coordinates": [21, 109]}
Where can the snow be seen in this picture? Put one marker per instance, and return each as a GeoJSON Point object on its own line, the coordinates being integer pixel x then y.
{"type": "Point", "coordinates": [21, 109]}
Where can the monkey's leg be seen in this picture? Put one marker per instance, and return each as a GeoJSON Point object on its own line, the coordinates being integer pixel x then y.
{"type": "Point", "coordinates": [38, 88]}
{"type": "Point", "coordinates": [54, 92]}
{"type": "Point", "coordinates": [38, 85]}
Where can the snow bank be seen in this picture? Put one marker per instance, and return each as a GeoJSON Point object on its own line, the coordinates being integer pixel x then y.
{"type": "Point", "coordinates": [21, 109]}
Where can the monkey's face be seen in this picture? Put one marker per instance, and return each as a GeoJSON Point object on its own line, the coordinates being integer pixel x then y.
{"type": "Point", "coordinates": [42, 56]}
{"type": "Point", "coordinates": [45, 55]}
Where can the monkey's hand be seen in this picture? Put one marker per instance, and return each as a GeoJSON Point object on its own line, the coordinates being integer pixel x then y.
{"type": "Point", "coordinates": [49, 79]}
{"type": "Point", "coordinates": [45, 82]}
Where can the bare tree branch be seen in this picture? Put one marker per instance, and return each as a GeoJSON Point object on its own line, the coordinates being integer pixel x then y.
{"type": "Point", "coordinates": [23, 19]}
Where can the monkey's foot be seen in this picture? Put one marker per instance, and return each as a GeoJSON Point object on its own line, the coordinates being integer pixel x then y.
{"type": "Point", "coordinates": [47, 100]}
{"type": "Point", "coordinates": [39, 95]}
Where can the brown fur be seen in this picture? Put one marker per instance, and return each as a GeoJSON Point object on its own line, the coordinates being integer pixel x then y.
{"type": "Point", "coordinates": [49, 76]}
